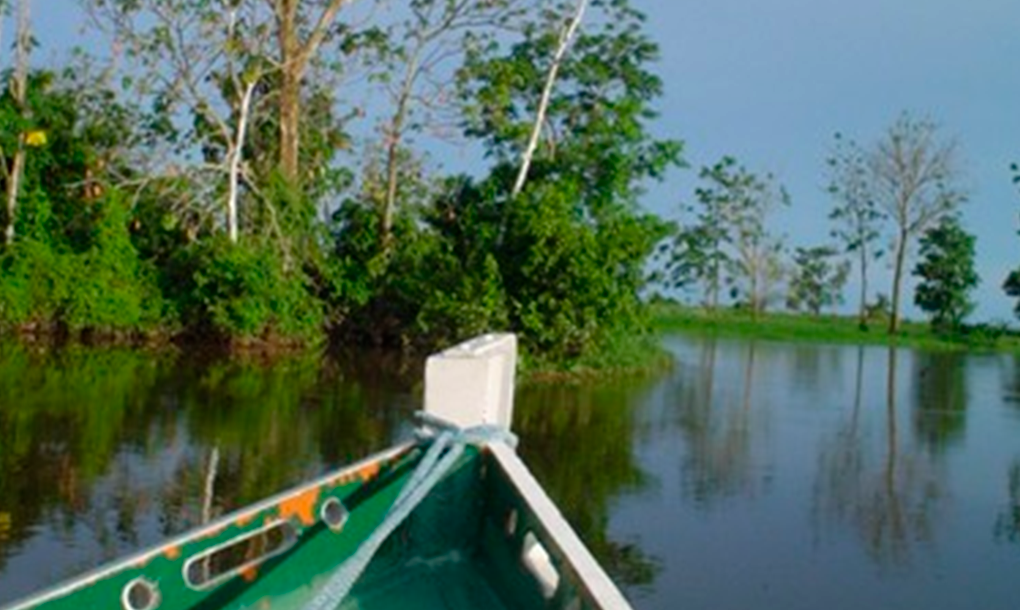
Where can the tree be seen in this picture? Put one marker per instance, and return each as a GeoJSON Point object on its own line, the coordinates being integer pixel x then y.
{"type": "Point", "coordinates": [913, 179]}
{"type": "Point", "coordinates": [572, 246]}
{"type": "Point", "coordinates": [730, 241]}
{"type": "Point", "coordinates": [201, 64]}
{"type": "Point", "coordinates": [700, 251]}
{"type": "Point", "coordinates": [817, 283]}
{"type": "Point", "coordinates": [736, 204]}
{"type": "Point", "coordinates": [220, 77]}
{"type": "Point", "coordinates": [697, 257]}
{"type": "Point", "coordinates": [947, 274]}
{"type": "Point", "coordinates": [417, 81]}
{"type": "Point", "coordinates": [855, 213]}
{"type": "Point", "coordinates": [19, 92]}
{"type": "Point", "coordinates": [1011, 286]}
{"type": "Point", "coordinates": [565, 39]}
{"type": "Point", "coordinates": [302, 26]}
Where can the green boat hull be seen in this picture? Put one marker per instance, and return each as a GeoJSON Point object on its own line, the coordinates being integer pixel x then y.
{"type": "Point", "coordinates": [472, 543]}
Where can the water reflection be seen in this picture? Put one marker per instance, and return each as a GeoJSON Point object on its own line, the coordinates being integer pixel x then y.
{"type": "Point", "coordinates": [940, 384]}
{"type": "Point", "coordinates": [877, 484]}
{"type": "Point", "coordinates": [715, 421]}
{"type": "Point", "coordinates": [754, 474]}
{"type": "Point", "coordinates": [1007, 526]}
{"type": "Point", "coordinates": [577, 441]}
{"type": "Point", "coordinates": [110, 450]}
{"type": "Point", "coordinates": [1011, 380]}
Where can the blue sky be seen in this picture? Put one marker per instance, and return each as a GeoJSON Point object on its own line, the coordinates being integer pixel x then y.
{"type": "Point", "coordinates": [770, 82]}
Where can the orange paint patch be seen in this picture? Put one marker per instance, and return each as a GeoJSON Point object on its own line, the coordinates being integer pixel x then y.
{"type": "Point", "coordinates": [250, 573]}
{"type": "Point", "coordinates": [172, 552]}
{"type": "Point", "coordinates": [369, 472]}
{"type": "Point", "coordinates": [245, 519]}
{"type": "Point", "coordinates": [301, 506]}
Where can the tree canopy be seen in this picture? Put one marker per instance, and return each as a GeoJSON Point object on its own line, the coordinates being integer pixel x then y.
{"type": "Point", "coordinates": [947, 274]}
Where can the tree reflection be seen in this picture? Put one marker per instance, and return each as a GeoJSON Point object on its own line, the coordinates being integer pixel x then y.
{"type": "Point", "coordinates": [940, 405]}
{"type": "Point", "coordinates": [716, 426]}
{"type": "Point", "coordinates": [1007, 526]}
{"type": "Point", "coordinates": [842, 461]}
{"type": "Point", "coordinates": [1011, 380]}
{"type": "Point", "coordinates": [63, 417]}
{"type": "Point", "coordinates": [110, 450]}
{"type": "Point", "coordinates": [578, 442]}
{"type": "Point", "coordinates": [891, 503]}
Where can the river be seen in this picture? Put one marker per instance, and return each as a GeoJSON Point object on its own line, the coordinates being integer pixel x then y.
{"type": "Point", "coordinates": [750, 475]}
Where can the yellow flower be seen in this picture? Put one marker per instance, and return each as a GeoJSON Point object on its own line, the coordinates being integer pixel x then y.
{"type": "Point", "coordinates": [36, 138]}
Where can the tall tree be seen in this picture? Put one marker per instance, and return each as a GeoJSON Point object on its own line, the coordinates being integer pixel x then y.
{"type": "Point", "coordinates": [914, 179]}
{"type": "Point", "coordinates": [698, 257]}
{"type": "Point", "coordinates": [220, 73]}
{"type": "Point", "coordinates": [735, 207]}
{"type": "Point", "coordinates": [418, 75]}
{"type": "Point", "coordinates": [302, 26]}
{"type": "Point", "coordinates": [701, 250]}
{"type": "Point", "coordinates": [855, 215]}
{"type": "Point", "coordinates": [947, 274]}
{"type": "Point", "coordinates": [816, 282]}
{"type": "Point", "coordinates": [572, 246]}
{"type": "Point", "coordinates": [199, 64]}
{"type": "Point", "coordinates": [19, 91]}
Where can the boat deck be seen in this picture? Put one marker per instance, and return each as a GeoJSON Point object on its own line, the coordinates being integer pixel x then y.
{"type": "Point", "coordinates": [453, 553]}
{"type": "Point", "coordinates": [452, 582]}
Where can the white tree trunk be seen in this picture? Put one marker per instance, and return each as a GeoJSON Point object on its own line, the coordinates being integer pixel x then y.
{"type": "Point", "coordinates": [20, 92]}
{"type": "Point", "coordinates": [566, 38]}
{"type": "Point", "coordinates": [236, 158]}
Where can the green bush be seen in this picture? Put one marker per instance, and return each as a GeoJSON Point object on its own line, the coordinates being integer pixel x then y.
{"type": "Point", "coordinates": [114, 290]}
{"type": "Point", "coordinates": [103, 289]}
{"type": "Point", "coordinates": [242, 291]}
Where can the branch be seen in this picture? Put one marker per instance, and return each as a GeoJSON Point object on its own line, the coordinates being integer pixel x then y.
{"type": "Point", "coordinates": [236, 158]}
{"type": "Point", "coordinates": [318, 33]}
{"type": "Point", "coordinates": [566, 38]}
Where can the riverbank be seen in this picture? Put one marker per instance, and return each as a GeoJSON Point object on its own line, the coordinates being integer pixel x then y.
{"type": "Point", "coordinates": [835, 329]}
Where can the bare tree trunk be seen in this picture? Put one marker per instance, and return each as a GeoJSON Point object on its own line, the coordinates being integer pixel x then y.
{"type": "Point", "coordinates": [393, 157]}
{"type": "Point", "coordinates": [208, 493]}
{"type": "Point", "coordinates": [290, 126]}
{"type": "Point", "coordinates": [19, 88]}
{"type": "Point", "coordinates": [236, 158]}
{"type": "Point", "coordinates": [863, 311]}
{"type": "Point", "coordinates": [295, 56]}
{"type": "Point", "coordinates": [755, 297]}
{"type": "Point", "coordinates": [714, 287]}
{"type": "Point", "coordinates": [290, 88]}
{"type": "Point", "coordinates": [566, 38]}
{"type": "Point", "coordinates": [901, 255]}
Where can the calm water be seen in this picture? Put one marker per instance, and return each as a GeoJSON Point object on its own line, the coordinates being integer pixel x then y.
{"type": "Point", "coordinates": [753, 475]}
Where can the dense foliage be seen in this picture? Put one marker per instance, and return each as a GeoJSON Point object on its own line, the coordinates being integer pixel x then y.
{"type": "Point", "coordinates": [226, 184]}
{"type": "Point", "coordinates": [818, 280]}
{"type": "Point", "coordinates": [947, 274]}
{"type": "Point", "coordinates": [182, 212]}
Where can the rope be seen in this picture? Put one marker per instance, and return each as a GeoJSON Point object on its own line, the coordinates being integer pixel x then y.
{"type": "Point", "coordinates": [447, 447]}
